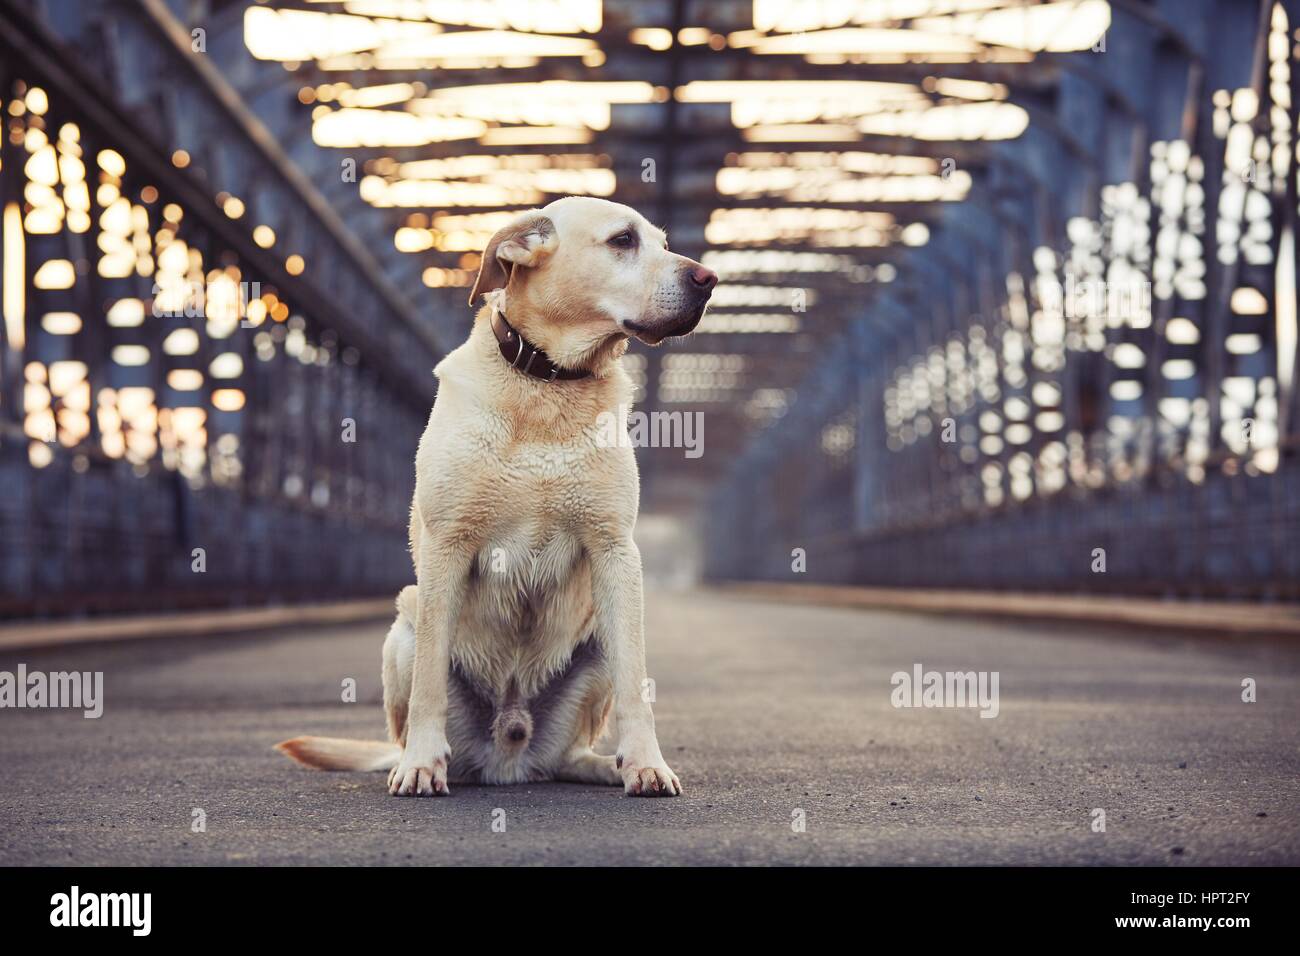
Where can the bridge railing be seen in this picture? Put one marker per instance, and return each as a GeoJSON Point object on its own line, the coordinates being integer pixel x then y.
{"type": "Point", "coordinates": [192, 412]}
{"type": "Point", "coordinates": [1087, 380]}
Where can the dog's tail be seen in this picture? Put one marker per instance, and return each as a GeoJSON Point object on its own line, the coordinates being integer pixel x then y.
{"type": "Point", "coordinates": [338, 753]}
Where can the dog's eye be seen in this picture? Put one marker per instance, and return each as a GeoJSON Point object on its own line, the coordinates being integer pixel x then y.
{"type": "Point", "coordinates": [624, 240]}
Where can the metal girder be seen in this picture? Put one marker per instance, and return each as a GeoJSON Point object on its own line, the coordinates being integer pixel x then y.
{"type": "Point", "coordinates": [917, 498]}
{"type": "Point", "coordinates": [362, 308]}
{"type": "Point", "coordinates": [95, 532]}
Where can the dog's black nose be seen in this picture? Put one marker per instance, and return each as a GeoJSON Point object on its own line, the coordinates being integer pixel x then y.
{"type": "Point", "coordinates": [704, 278]}
{"type": "Point", "coordinates": [517, 733]}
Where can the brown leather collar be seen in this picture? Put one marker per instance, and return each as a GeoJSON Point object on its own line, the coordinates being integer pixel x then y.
{"type": "Point", "coordinates": [526, 357]}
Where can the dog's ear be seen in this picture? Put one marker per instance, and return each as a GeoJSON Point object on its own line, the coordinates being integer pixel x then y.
{"type": "Point", "coordinates": [525, 242]}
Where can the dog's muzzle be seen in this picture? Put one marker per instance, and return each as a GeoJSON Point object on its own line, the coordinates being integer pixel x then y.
{"type": "Point", "coordinates": [699, 283]}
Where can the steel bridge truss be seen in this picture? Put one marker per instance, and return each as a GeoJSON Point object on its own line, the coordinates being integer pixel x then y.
{"type": "Point", "coordinates": [1087, 379]}
{"type": "Point", "coordinates": [209, 392]}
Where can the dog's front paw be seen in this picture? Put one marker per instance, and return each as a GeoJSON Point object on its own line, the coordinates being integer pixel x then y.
{"type": "Point", "coordinates": [649, 779]}
{"type": "Point", "coordinates": [410, 779]}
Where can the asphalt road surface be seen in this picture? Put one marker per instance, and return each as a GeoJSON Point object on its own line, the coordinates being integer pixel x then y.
{"type": "Point", "coordinates": [764, 710]}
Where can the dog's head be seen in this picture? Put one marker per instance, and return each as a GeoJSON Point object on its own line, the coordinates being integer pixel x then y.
{"type": "Point", "coordinates": [585, 269]}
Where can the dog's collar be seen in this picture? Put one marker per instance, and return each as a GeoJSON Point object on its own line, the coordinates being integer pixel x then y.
{"type": "Point", "coordinates": [526, 357]}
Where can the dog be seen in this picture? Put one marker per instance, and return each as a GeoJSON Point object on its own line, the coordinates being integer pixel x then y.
{"type": "Point", "coordinates": [524, 631]}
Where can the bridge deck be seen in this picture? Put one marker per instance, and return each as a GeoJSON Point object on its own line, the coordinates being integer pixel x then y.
{"type": "Point", "coordinates": [763, 708]}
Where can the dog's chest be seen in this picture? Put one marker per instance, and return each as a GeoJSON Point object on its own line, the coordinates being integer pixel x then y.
{"type": "Point", "coordinates": [529, 558]}
{"type": "Point", "coordinates": [540, 497]}
{"type": "Point", "coordinates": [529, 604]}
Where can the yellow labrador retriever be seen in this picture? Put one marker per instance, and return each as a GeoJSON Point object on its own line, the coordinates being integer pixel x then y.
{"type": "Point", "coordinates": [525, 628]}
